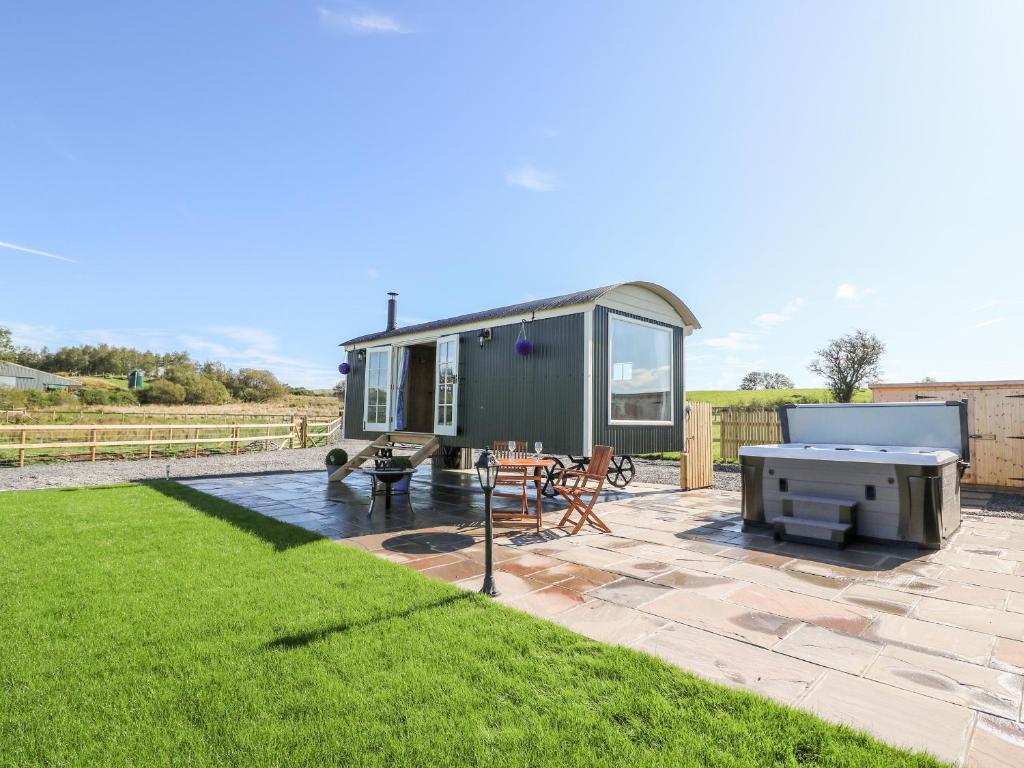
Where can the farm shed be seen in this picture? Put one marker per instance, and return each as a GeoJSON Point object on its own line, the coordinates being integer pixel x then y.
{"type": "Point", "coordinates": [995, 422]}
{"type": "Point", "coordinates": [17, 376]}
{"type": "Point", "coordinates": [597, 367]}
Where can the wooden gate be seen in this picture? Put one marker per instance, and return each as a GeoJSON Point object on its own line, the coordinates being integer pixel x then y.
{"type": "Point", "coordinates": [995, 421]}
{"type": "Point", "coordinates": [695, 464]}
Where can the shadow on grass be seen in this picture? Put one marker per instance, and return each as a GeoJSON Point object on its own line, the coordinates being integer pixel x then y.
{"type": "Point", "coordinates": [302, 639]}
{"type": "Point", "coordinates": [281, 536]}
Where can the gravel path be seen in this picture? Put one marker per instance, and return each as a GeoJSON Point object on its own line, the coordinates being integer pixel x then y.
{"type": "Point", "coordinates": [79, 473]}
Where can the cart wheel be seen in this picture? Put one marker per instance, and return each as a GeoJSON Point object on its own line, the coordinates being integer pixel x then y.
{"type": "Point", "coordinates": [451, 457]}
{"type": "Point", "coordinates": [549, 477]}
{"type": "Point", "coordinates": [620, 473]}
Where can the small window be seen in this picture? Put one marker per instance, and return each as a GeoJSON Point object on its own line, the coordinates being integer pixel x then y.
{"type": "Point", "coordinates": [640, 372]}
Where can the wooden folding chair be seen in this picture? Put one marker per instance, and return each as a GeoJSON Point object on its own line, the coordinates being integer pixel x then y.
{"type": "Point", "coordinates": [511, 484]}
{"type": "Point", "coordinates": [576, 484]}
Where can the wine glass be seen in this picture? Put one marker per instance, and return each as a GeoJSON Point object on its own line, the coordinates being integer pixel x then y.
{"type": "Point", "coordinates": [538, 447]}
{"type": "Point", "coordinates": [512, 448]}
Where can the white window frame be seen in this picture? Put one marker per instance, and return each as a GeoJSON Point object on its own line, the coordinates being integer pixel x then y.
{"type": "Point", "coordinates": [372, 426]}
{"type": "Point", "coordinates": [447, 429]}
{"type": "Point", "coordinates": [615, 318]}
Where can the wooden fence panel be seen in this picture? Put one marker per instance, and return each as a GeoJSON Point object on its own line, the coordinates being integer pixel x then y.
{"type": "Point", "coordinates": [696, 468]}
{"type": "Point", "coordinates": [747, 427]}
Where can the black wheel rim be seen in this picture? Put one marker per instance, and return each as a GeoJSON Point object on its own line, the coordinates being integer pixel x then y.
{"type": "Point", "coordinates": [550, 475]}
{"type": "Point", "coordinates": [621, 471]}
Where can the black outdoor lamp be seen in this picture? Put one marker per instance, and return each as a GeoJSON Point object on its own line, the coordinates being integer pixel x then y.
{"type": "Point", "coordinates": [487, 471]}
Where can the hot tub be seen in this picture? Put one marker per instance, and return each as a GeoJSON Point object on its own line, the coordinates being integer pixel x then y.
{"type": "Point", "coordinates": [881, 471]}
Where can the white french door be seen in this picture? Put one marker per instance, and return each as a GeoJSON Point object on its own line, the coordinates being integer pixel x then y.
{"type": "Point", "coordinates": [377, 395]}
{"type": "Point", "coordinates": [446, 385]}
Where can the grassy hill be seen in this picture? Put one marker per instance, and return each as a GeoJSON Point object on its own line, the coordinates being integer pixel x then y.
{"type": "Point", "coordinates": [733, 397]}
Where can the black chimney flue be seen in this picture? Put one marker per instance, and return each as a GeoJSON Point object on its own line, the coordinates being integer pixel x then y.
{"type": "Point", "coordinates": [392, 310]}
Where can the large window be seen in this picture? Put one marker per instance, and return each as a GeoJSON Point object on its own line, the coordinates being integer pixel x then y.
{"type": "Point", "coordinates": [639, 372]}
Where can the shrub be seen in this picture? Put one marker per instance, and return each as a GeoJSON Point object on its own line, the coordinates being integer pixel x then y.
{"type": "Point", "coordinates": [400, 462]}
{"type": "Point", "coordinates": [257, 386]}
{"type": "Point", "coordinates": [93, 396]}
{"type": "Point", "coordinates": [164, 392]}
{"type": "Point", "coordinates": [203, 391]}
{"type": "Point", "coordinates": [336, 457]}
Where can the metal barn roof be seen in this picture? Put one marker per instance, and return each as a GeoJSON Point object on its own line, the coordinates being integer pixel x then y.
{"type": "Point", "coordinates": [24, 372]}
{"type": "Point", "coordinates": [589, 296]}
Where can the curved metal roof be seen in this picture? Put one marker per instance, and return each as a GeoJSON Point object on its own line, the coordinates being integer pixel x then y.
{"type": "Point", "coordinates": [555, 302]}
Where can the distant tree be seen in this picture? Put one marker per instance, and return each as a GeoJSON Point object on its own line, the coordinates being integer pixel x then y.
{"type": "Point", "coordinates": [766, 380]}
{"type": "Point", "coordinates": [339, 390]}
{"type": "Point", "coordinates": [752, 380]}
{"type": "Point", "coordinates": [848, 362]}
{"type": "Point", "coordinates": [777, 381]}
{"type": "Point", "coordinates": [257, 386]}
{"type": "Point", "coordinates": [928, 380]}
{"type": "Point", "coordinates": [204, 391]}
{"type": "Point", "coordinates": [7, 351]}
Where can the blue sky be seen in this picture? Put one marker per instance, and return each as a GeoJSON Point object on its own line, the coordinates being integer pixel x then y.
{"type": "Point", "coordinates": [246, 181]}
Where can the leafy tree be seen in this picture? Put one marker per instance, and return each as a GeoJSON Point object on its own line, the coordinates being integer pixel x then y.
{"type": "Point", "coordinates": [254, 385]}
{"type": "Point", "coordinates": [204, 391]}
{"type": "Point", "coordinates": [848, 362]}
{"type": "Point", "coordinates": [777, 381]}
{"type": "Point", "coordinates": [766, 380]}
{"type": "Point", "coordinates": [6, 345]}
{"type": "Point", "coordinates": [752, 380]}
{"type": "Point", "coordinates": [164, 392]}
{"type": "Point", "coordinates": [339, 389]}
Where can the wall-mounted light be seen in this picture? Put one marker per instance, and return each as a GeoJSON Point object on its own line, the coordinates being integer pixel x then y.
{"type": "Point", "coordinates": [485, 335]}
{"type": "Point", "coordinates": [361, 355]}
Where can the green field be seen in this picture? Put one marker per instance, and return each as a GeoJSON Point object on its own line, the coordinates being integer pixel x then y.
{"type": "Point", "coordinates": [735, 397]}
{"type": "Point", "coordinates": [155, 625]}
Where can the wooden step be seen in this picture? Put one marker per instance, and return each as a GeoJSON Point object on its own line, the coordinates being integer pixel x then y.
{"type": "Point", "coordinates": [359, 459]}
{"type": "Point", "coordinates": [428, 446]}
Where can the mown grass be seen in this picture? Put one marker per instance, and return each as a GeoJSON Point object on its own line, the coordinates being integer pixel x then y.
{"type": "Point", "coordinates": [153, 625]}
{"type": "Point", "coordinates": [738, 397]}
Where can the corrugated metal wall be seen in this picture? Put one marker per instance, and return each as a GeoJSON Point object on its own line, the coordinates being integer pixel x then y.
{"type": "Point", "coordinates": [503, 396]}
{"type": "Point", "coordinates": [630, 440]}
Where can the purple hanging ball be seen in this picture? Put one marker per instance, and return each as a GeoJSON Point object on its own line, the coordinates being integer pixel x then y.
{"type": "Point", "coordinates": [344, 368]}
{"type": "Point", "coordinates": [524, 347]}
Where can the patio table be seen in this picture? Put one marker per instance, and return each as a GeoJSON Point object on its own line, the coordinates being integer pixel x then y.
{"type": "Point", "coordinates": [537, 464]}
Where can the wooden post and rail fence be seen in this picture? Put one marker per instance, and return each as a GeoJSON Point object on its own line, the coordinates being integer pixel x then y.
{"type": "Point", "coordinates": [76, 441]}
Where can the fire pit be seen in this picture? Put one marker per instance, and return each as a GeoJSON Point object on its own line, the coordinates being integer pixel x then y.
{"type": "Point", "coordinates": [388, 476]}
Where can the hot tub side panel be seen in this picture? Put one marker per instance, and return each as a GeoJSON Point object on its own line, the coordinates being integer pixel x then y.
{"type": "Point", "coordinates": [915, 504]}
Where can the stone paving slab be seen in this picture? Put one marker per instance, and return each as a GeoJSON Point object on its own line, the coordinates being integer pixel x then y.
{"type": "Point", "coordinates": [921, 649]}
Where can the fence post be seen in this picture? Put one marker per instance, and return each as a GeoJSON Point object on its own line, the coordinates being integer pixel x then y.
{"type": "Point", "coordinates": [92, 439]}
{"type": "Point", "coordinates": [235, 433]}
{"type": "Point", "coordinates": [149, 453]}
{"type": "Point", "coordinates": [304, 431]}
{"type": "Point", "coordinates": [21, 451]}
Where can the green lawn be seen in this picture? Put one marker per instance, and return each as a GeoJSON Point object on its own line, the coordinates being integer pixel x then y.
{"type": "Point", "coordinates": [724, 397]}
{"type": "Point", "coordinates": [153, 625]}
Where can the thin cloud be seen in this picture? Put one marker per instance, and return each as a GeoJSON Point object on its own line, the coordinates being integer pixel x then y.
{"type": "Point", "coordinates": [983, 324]}
{"type": "Point", "coordinates": [850, 292]}
{"type": "Point", "coordinates": [531, 178]}
{"type": "Point", "coordinates": [362, 23]}
{"type": "Point", "coordinates": [772, 319]}
{"type": "Point", "coordinates": [372, 273]}
{"type": "Point", "coordinates": [36, 252]}
{"type": "Point", "coordinates": [731, 341]}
